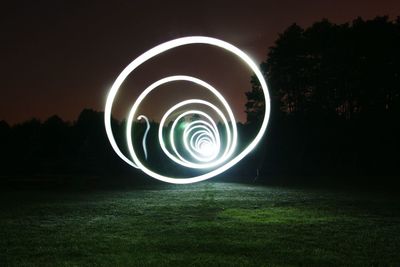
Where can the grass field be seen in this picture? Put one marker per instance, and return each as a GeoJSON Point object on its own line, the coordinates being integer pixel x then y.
{"type": "Point", "coordinates": [206, 224]}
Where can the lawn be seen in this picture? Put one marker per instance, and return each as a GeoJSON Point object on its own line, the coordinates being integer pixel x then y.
{"type": "Point", "coordinates": [206, 224]}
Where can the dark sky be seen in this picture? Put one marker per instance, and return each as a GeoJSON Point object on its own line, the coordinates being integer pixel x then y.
{"type": "Point", "coordinates": [58, 57]}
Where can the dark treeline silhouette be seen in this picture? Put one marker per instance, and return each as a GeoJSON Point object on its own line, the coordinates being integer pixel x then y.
{"type": "Point", "coordinates": [59, 150]}
{"type": "Point", "coordinates": [335, 98]}
{"type": "Point", "coordinates": [335, 93]}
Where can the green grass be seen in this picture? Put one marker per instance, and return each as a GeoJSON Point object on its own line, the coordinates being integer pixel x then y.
{"type": "Point", "coordinates": [206, 224]}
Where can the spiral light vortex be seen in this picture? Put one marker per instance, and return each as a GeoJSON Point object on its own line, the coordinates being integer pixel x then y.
{"type": "Point", "coordinates": [201, 137]}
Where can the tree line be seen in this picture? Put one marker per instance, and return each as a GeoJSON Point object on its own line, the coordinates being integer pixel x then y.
{"type": "Point", "coordinates": [335, 107]}
{"type": "Point", "coordinates": [56, 147]}
{"type": "Point", "coordinates": [335, 92]}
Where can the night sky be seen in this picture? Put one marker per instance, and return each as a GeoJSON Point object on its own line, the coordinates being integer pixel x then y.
{"type": "Point", "coordinates": [58, 57]}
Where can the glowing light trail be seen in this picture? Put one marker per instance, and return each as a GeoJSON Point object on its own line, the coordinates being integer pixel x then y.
{"type": "Point", "coordinates": [201, 138]}
{"type": "Point", "coordinates": [145, 133]}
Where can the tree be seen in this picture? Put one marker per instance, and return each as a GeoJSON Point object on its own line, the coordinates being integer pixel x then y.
{"type": "Point", "coordinates": [335, 98]}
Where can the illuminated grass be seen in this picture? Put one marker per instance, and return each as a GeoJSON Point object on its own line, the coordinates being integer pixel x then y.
{"type": "Point", "coordinates": [202, 224]}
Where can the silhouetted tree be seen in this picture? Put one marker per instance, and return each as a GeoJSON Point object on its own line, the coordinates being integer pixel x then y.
{"type": "Point", "coordinates": [339, 86]}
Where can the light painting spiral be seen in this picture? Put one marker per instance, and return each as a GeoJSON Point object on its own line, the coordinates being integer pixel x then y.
{"type": "Point", "coordinates": [202, 147]}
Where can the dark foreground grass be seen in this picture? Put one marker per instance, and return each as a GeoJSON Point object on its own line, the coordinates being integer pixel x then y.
{"type": "Point", "coordinates": [206, 224]}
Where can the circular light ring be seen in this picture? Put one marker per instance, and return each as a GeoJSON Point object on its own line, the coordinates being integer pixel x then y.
{"type": "Point", "coordinates": [231, 134]}
{"type": "Point", "coordinates": [199, 139]}
{"type": "Point", "coordinates": [154, 52]}
{"type": "Point", "coordinates": [230, 145]}
{"type": "Point", "coordinates": [188, 129]}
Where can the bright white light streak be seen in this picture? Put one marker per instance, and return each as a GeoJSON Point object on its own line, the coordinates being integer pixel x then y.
{"type": "Point", "coordinates": [156, 51]}
{"type": "Point", "coordinates": [229, 147]}
{"type": "Point", "coordinates": [145, 133]}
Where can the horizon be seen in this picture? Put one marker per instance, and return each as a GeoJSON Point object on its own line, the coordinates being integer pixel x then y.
{"type": "Point", "coordinates": [60, 59]}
